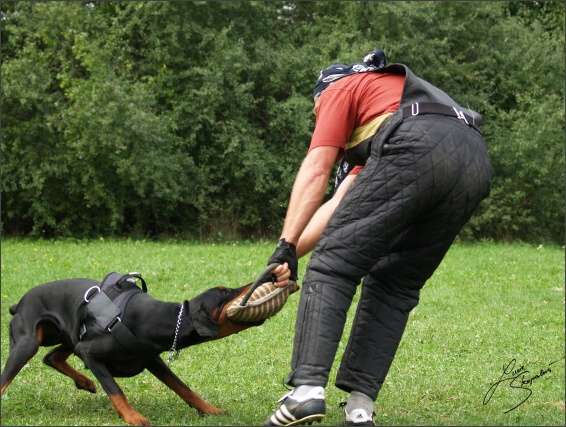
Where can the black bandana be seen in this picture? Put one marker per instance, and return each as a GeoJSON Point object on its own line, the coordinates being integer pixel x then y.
{"type": "Point", "coordinates": [371, 62]}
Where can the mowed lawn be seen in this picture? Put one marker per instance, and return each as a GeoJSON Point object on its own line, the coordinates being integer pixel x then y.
{"type": "Point", "coordinates": [484, 347]}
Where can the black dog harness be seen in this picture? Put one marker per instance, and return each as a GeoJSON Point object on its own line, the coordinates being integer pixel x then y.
{"type": "Point", "coordinates": [106, 303]}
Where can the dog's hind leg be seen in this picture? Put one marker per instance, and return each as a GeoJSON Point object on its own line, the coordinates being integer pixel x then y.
{"type": "Point", "coordinates": [57, 359]}
{"type": "Point", "coordinates": [158, 368]}
{"type": "Point", "coordinates": [21, 351]}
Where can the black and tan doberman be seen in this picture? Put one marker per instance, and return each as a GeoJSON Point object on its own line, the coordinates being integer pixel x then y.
{"type": "Point", "coordinates": [55, 313]}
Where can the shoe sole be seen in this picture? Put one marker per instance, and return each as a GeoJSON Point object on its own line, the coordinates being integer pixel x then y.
{"type": "Point", "coordinates": [307, 420]}
{"type": "Point", "coordinates": [365, 423]}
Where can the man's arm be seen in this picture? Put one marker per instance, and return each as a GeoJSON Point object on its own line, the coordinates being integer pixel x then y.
{"type": "Point", "coordinates": [316, 226]}
{"type": "Point", "coordinates": [314, 229]}
{"type": "Point", "coordinates": [308, 191]}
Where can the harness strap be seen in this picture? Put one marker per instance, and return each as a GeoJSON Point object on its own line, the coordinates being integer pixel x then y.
{"type": "Point", "coordinates": [128, 340]}
{"type": "Point", "coordinates": [420, 108]}
{"type": "Point", "coordinates": [118, 287]}
{"type": "Point", "coordinates": [102, 307]}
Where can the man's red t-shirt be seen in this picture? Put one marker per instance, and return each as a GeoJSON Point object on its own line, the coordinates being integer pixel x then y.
{"type": "Point", "coordinates": [355, 107]}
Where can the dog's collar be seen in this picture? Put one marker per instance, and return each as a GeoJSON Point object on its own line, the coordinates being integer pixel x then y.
{"type": "Point", "coordinates": [173, 352]}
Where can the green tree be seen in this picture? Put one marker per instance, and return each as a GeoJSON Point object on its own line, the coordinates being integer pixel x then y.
{"type": "Point", "coordinates": [192, 118]}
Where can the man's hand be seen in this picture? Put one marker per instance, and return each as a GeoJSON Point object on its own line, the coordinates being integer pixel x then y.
{"type": "Point", "coordinates": [281, 276]}
{"type": "Point", "coordinates": [285, 253]}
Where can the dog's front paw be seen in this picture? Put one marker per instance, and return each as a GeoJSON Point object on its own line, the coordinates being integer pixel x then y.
{"type": "Point", "coordinates": [219, 411]}
{"type": "Point", "coordinates": [137, 420]}
{"type": "Point", "coordinates": [87, 385]}
{"type": "Point", "coordinates": [125, 410]}
{"type": "Point", "coordinates": [211, 410]}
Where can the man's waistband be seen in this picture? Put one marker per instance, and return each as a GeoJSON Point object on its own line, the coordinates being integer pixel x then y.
{"type": "Point", "coordinates": [420, 108]}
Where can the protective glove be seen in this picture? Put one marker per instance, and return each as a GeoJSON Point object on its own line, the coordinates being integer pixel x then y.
{"type": "Point", "coordinates": [286, 252]}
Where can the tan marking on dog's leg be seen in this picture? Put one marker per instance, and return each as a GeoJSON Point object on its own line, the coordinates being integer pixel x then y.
{"type": "Point", "coordinates": [188, 395]}
{"type": "Point", "coordinates": [5, 385]}
{"type": "Point", "coordinates": [125, 410]}
{"type": "Point", "coordinates": [198, 402]}
{"type": "Point", "coordinates": [57, 359]}
{"type": "Point", "coordinates": [39, 334]}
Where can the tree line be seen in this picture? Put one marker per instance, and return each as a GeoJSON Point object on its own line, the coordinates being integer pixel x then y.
{"type": "Point", "coordinates": [192, 118]}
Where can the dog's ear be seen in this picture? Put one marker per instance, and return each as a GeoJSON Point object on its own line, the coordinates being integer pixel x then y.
{"type": "Point", "coordinates": [203, 323]}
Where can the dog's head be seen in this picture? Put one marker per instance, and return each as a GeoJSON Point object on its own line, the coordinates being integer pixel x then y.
{"type": "Point", "coordinates": [208, 312]}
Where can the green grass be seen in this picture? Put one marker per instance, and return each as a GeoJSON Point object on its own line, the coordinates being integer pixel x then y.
{"type": "Point", "coordinates": [485, 305]}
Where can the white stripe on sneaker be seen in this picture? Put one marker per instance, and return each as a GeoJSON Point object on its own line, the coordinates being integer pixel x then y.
{"type": "Point", "coordinates": [282, 416]}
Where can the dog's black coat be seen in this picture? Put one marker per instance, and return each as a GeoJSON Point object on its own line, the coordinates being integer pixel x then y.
{"type": "Point", "coordinates": [52, 314]}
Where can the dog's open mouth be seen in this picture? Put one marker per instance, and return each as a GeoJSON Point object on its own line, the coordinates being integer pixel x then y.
{"type": "Point", "coordinates": [265, 302]}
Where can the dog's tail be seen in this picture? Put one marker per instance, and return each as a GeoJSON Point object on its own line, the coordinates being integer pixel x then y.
{"type": "Point", "coordinates": [13, 309]}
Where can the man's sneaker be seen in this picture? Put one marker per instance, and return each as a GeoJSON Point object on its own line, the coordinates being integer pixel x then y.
{"type": "Point", "coordinates": [358, 417]}
{"type": "Point", "coordinates": [294, 412]}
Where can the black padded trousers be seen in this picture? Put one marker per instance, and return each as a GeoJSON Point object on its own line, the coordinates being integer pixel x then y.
{"type": "Point", "coordinates": [392, 229]}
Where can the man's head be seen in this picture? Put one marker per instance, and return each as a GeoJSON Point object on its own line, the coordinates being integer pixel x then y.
{"type": "Point", "coordinates": [371, 62]}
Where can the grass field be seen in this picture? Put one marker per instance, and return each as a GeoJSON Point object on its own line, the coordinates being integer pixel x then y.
{"type": "Point", "coordinates": [486, 306]}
